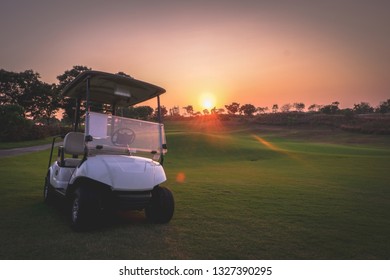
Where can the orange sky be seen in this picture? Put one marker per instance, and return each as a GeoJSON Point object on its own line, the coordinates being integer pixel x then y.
{"type": "Point", "coordinates": [258, 52]}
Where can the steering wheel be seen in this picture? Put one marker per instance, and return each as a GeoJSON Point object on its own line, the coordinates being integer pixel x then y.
{"type": "Point", "coordinates": [123, 136]}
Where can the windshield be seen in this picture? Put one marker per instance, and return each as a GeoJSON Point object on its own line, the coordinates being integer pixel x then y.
{"type": "Point", "coordinates": [112, 134]}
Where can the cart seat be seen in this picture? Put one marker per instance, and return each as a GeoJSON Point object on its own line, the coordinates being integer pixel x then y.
{"type": "Point", "coordinates": [74, 144]}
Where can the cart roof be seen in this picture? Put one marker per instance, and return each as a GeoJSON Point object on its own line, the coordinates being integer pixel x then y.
{"type": "Point", "coordinates": [107, 88]}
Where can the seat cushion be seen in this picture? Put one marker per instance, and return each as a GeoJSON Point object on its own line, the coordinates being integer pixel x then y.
{"type": "Point", "coordinates": [71, 162]}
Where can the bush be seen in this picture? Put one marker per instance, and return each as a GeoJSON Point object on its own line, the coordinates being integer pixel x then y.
{"type": "Point", "coordinates": [346, 120]}
{"type": "Point", "coordinates": [15, 127]}
{"type": "Point", "coordinates": [369, 125]}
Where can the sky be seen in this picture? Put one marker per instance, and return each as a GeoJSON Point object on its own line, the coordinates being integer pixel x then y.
{"type": "Point", "coordinates": [216, 52]}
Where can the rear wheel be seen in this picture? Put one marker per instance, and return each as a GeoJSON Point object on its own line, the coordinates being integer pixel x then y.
{"type": "Point", "coordinates": [85, 209]}
{"type": "Point", "coordinates": [161, 207]}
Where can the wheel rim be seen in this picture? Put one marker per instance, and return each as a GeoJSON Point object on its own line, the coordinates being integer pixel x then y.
{"type": "Point", "coordinates": [46, 189]}
{"type": "Point", "coordinates": [75, 209]}
{"type": "Point", "coordinates": [45, 192]}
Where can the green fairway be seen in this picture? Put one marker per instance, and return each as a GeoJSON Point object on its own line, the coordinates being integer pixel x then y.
{"type": "Point", "coordinates": [241, 192]}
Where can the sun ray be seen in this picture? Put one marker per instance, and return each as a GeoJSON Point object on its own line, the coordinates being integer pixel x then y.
{"type": "Point", "coordinates": [277, 149]}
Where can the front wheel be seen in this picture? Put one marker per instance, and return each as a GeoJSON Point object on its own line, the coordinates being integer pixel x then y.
{"type": "Point", "coordinates": [161, 207]}
{"type": "Point", "coordinates": [84, 209]}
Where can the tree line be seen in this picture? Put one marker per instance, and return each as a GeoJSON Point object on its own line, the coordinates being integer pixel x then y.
{"type": "Point", "coordinates": [28, 106]}
{"type": "Point", "coordinates": [249, 109]}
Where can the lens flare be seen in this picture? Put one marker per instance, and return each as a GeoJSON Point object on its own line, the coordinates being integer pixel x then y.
{"type": "Point", "coordinates": [180, 177]}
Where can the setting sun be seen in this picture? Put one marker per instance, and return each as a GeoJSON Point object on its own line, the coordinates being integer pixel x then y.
{"type": "Point", "coordinates": [207, 101]}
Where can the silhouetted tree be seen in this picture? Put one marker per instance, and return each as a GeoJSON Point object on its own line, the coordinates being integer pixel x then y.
{"type": "Point", "coordinates": [163, 112]}
{"type": "Point", "coordinates": [38, 99]}
{"type": "Point", "coordinates": [247, 109]}
{"type": "Point", "coordinates": [314, 108]}
{"type": "Point", "coordinates": [69, 75]}
{"type": "Point", "coordinates": [220, 110]}
{"type": "Point", "coordinates": [175, 111]}
{"type": "Point", "coordinates": [262, 110]}
{"type": "Point", "coordinates": [217, 111]}
{"type": "Point", "coordinates": [18, 88]}
{"type": "Point", "coordinates": [46, 103]}
{"type": "Point", "coordinates": [189, 109]}
{"type": "Point", "coordinates": [68, 105]}
{"type": "Point", "coordinates": [363, 108]}
{"type": "Point", "coordinates": [299, 106]}
{"type": "Point", "coordinates": [384, 107]}
{"type": "Point", "coordinates": [286, 108]}
{"type": "Point", "coordinates": [232, 108]}
{"type": "Point", "coordinates": [144, 112]}
{"type": "Point", "coordinates": [275, 108]}
{"type": "Point", "coordinates": [330, 109]}
{"type": "Point", "coordinates": [139, 112]}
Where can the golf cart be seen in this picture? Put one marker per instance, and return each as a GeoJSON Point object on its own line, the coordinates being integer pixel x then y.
{"type": "Point", "coordinates": [116, 163]}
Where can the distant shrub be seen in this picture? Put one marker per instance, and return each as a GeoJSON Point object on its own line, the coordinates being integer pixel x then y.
{"type": "Point", "coordinates": [288, 118]}
{"type": "Point", "coordinates": [372, 124]}
{"type": "Point", "coordinates": [346, 120]}
{"type": "Point", "coordinates": [224, 117]}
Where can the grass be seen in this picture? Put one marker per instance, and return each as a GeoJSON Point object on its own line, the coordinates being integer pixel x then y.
{"type": "Point", "coordinates": [242, 192]}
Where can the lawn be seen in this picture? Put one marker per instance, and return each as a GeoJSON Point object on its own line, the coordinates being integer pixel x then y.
{"type": "Point", "coordinates": [242, 192]}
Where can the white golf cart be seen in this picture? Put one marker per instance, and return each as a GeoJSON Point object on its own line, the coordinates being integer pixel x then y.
{"type": "Point", "coordinates": [116, 163]}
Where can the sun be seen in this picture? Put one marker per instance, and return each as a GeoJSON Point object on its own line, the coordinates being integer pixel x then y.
{"type": "Point", "coordinates": [207, 104]}
{"type": "Point", "coordinates": [207, 101]}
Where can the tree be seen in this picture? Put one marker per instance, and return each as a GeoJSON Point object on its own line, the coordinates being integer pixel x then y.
{"type": "Point", "coordinates": [362, 108]}
{"type": "Point", "coordinates": [262, 110]}
{"type": "Point", "coordinates": [163, 112]}
{"type": "Point", "coordinates": [216, 111]}
{"type": "Point", "coordinates": [139, 112]}
{"type": "Point", "coordinates": [69, 75]}
{"type": "Point", "coordinates": [10, 87]}
{"type": "Point", "coordinates": [330, 109]}
{"type": "Point", "coordinates": [206, 112]}
{"type": "Point", "coordinates": [38, 99]}
{"type": "Point", "coordinates": [299, 106]}
{"type": "Point", "coordinates": [248, 109]}
{"type": "Point", "coordinates": [286, 108]}
{"type": "Point", "coordinates": [384, 107]}
{"type": "Point", "coordinates": [175, 111]}
{"type": "Point", "coordinates": [232, 108]}
{"type": "Point", "coordinates": [68, 105]}
{"type": "Point", "coordinates": [144, 112]}
{"type": "Point", "coordinates": [18, 88]}
{"type": "Point", "coordinates": [314, 108]}
{"type": "Point", "coordinates": [46, 103]}
{"type": "Point", "coordinates": [189, 109]}
{"type": "Point", "coordinates": [275, 108]}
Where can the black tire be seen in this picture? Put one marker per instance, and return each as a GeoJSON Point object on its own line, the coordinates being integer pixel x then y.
{"type": "Point", "coordinates": [85, 209]}
{"type": "Point", "coordinates": [48, 192]}
{"type": "Point", "coordinates": [162, 206]}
